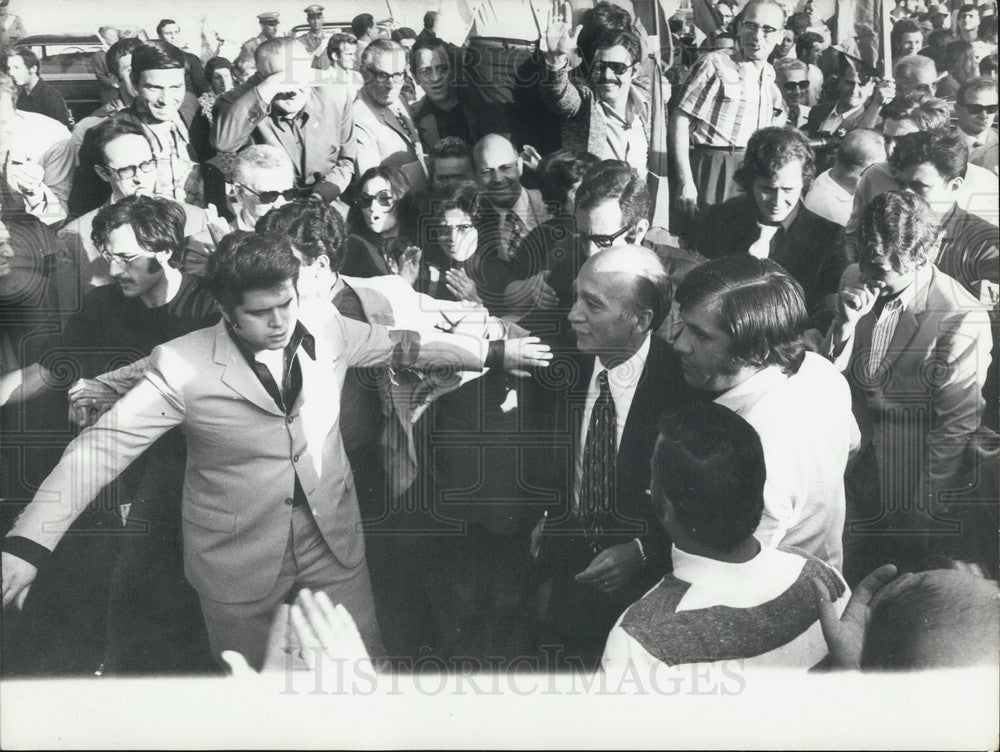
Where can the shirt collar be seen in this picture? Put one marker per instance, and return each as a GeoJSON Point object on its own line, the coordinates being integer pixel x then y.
{"type": "Point", "coordinates": [722, 575]}
{"type": "Point", "coordinates": [787, 221]}
{"type": "Point", "coordinates": [300, 336]}
{"type": "Point", "coordinates": [920, 281]}
{"type": "Point", "coordinates": [625, 376]}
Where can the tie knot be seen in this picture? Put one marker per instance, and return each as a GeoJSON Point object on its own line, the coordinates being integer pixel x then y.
{"type": "Point", "coordinates": [602, 380]}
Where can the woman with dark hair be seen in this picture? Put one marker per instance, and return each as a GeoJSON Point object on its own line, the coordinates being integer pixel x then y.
{"type": "Point", "coordinates": [959, 59]}
{"type": "Point", "coordinates": [452, 242]}
{"type": "Point", "coordinates": [378, 242]}
{"type": "Point", "coordinates": [219, 73]}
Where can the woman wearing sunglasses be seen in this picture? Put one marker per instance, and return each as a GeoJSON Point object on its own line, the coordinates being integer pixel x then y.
{"type": "Point", "coordinates": [377, 243]}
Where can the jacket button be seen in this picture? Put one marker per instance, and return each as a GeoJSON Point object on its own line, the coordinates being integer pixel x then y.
{"type": "Point", "coordinates": [295, 458]}
{"type": "Point", "coordinates": [289, 419]}
{"type": "Point", "coordinates": [289, 501]}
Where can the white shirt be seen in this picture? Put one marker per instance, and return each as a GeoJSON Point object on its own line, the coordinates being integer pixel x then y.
{"type": "Point", "coordinates": [829, 199]}
{"type": "Point", "coordinates": [835, 119]}
{"type": "Point", "coordinates": [807, 431]}
{"type": "Point", "coordinates": [622, 382]}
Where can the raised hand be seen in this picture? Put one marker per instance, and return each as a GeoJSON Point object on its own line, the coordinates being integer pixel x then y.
{"type": "Point", "coordinates": [560, 34]}
{"type": "Point", "coordinates": [855, 302]}
{"type": "Point", "coordinates": [459, 285]}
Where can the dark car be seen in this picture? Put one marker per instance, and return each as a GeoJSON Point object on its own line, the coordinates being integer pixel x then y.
{"type": "Point", "coordinates": [65, 62]}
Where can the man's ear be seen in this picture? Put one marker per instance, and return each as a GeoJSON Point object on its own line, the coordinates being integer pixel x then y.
{"type": "Point", "coordinates": [643, 321]}
{"type": "Point", "coordinates": [641, 227]}
{"type": "Point", "coordinates": [102, 173]}
{"type": "Point", "coordinates": [956, 185]}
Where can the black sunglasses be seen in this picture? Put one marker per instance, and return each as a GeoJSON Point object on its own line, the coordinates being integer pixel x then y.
{"type": "Point", "coordinates": [269, 197]}
{"type": "Point", "coordinates": [384, 199]}
{"type": "Point", "coordinates": [979, 109]}
{"type": "Point", "coordinates": [619, 69]}
{"type": "Point", "coordinates": [601, 241]}
{"type": "Point", "coordinates": [792, 85]}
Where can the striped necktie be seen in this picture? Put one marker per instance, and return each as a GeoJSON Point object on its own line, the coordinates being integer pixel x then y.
{"type": "Point", "coordinates": [597, 486]}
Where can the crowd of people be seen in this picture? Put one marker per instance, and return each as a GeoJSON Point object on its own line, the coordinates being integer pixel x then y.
{"type": "Point", "coordinates": [569, 358]}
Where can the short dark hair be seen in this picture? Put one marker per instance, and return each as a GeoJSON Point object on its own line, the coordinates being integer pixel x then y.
{"type": "Point", "coordinates": [921, 107]}
{"type": "Point", "coordinates": [987, 64]}
{"type": "Point", "coordinates": [905, 26]}
{"type": "Point", "coordinates": [973, 85]}
{"type": "Point", "coordinates": [899, 226]}
{"type": "Point", "coordinates": [944, 148]}
{"type": "Point", "coordinates": [709, 465]}
{"type": "Point", "coordinates": [604, 16]}
{"type": "Point", "coordinates": [614, 179]}
{"type": "Point", "coordinates": [941, 618]}
{"type": "Point", "coordinates": [561, 170]}
{"type": "Point", "coordinates": [759, 305]}
{"type": "Point", "coordinates": [430, 43]}
{"type": "Point", "coordinates": [459, 194]}
{"type": "Point", "coordinates": [959, 57]}
{"type": "Point", "coordinates": [163, 24]}
{"type": "Point", "coordinates": [770, 149]}
{"type": "Point", "coordinates": [624, 37]}
{"type": "Point", "coordinates": [805, 41]}
{"type": "Point", "coordinates": [968, 8]}
{"type": "Point", "coordinates": [118, 50]}
{"type": "Point", "coordinates": [29, 58]}
{"type": "Point", "coordinates": [314, 227]}
{"type": "Point", "coordinates": [158, 224]}
{"type": "Point", "coordinates": [430, 18]}
{"type": "Point", "coordinates": [245, 261]}
{"type": "Point", "coordinates": [451, 146]}
{"type": "Point", "coordinates": [96, 138]}
{"type": "Point", "coordinates": [403, 32]}
{"type": "Point", "coordinates": [336, 43]}
{"type": "Point", "coordinates": [155, 55]}
{"type": "Point", "coordinates": [214, 64]}
{"type": "Point", "coordinates": [362, 24]}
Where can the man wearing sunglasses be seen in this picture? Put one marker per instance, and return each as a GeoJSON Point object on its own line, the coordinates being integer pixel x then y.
{"type": "Point", "coordinates": [127, 164]}
{"type": "Point", "coordinates": [728, 96]}
{"type": "Point", "coordinates": [284, 105]}
{"type": "Point", "coordinates": [792, 76]}
{"type": "Point", "coordinates": [263, 179]}
{"type": "Point", "coordinates": [976, 113]}
{"type": "Point", "coordinates": [384, 123]}
{"type": "Point", "coordinates": [609, 116]}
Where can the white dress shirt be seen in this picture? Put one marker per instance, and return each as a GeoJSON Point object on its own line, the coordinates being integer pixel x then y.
{"type": "Point", "coordinates": [623, 380]}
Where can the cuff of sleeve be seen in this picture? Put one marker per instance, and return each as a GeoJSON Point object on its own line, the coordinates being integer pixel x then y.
{"type": "Point", "coordinates": [494, 356]}
{"type": "Point", "coordinates": [34, 553]}
{"type": "Point", "coordinates": [555, 68]}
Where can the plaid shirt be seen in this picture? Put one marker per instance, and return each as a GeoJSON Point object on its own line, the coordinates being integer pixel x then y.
{"type": "Point", "coordinates": [729, 99]}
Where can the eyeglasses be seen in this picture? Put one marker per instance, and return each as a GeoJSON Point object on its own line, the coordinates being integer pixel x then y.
{"type": "Point", "coordinates": [269, 197]}
{"type": "Point", "coordinates": [753, 28]}
{"type": "Point", "coordinates": [124, 261]}
{"type": "Point", "coordinates": [129, 172]}
{"type": "Point", "coordinates": [619, 69]}
{"type": "Point", "coordinates": [383, 77]}
{"type": "Point", "coordinates": [601, 241]}
{"type": "Point", "coordinates": [979, 109]}
{"type": "Point", "coordinates": [382, 198]}
{"type": "Point", "coordinates": [793, 85]}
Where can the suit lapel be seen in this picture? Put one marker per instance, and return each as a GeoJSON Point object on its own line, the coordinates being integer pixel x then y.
{"type": "Point", "coordinates": [238, 375]}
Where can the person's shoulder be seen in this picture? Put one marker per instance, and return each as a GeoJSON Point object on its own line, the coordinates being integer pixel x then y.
{"type": "Point", "coordinates": [812, 568]}
{"type": "Point", "coordinates": [949, 299]}
{"type": "Point", "coordinates": [825, 230]}
{"type": "Point", "coordinates": [980, 176]}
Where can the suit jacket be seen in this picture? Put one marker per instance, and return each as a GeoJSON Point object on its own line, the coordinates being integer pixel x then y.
{"type": "Point", "coordinates": [381, 140]}
{"type": "Point", "coordinates": [244, 452]}
{"type": "Point", "coordinates": [920, 409]}
{"type": "Point", "coordinates": [327, 154]}
{"type": "Point", "coordinates": [554, 408]}
{"type": "Point", "coordinates": [427, 126]}
{"type": "Point", "coordinates": [820, 112]}
{"type": "Point", "coordinates": [811, 249]}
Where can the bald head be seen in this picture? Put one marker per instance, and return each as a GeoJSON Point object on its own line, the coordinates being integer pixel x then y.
{"type": "Point", "coordinates": [859, 149]}
{"type": "Point", "coordinates": [644, 274]}
{"type": "Point", "coordinates": [498, 170]}
{"type": "Point", "coordinates": [912, 71]}
{"type": "Point", "coordinates": [942, 618]}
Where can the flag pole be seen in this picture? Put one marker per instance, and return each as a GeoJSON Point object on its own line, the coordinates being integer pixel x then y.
{"type": "Point", "coordinates": [886, 40]}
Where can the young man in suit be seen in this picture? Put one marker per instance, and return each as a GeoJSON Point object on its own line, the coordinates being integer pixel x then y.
{"type": "Point", "coordinates": [600, 546]}
{"type": "Point", "coordinates": [915, 348]}
{"type": "Point", "coordinates": [269, 500]}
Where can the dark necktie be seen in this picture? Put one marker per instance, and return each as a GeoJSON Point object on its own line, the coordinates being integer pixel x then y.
{"type": "Point", "coordinates": [515, 234]}
{"type": "Point", "coordinates": [597, 486]}
{"type": "Point", "coordinates": [404, 123]}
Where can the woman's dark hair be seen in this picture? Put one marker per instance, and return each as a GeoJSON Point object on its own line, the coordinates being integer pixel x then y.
{"type": "Point", "coordinates": [459, 194]}
{"type": "Point", "coordinates": [759, 305]}
{"type": "Point", "coordinates": [770, 149]}
{"type": "Point", "coordinates": [399, 186]}
{"type": "Point", "coordinates": [709, 466]}
{"type": "Point", "coordinates": [158, 224]}
{"type": "Point", "coordinates": [245, 261]}
{"type": "Point", "coordinates": [215, 64]}
{"type": "Point", "coordinates": [313, 226]}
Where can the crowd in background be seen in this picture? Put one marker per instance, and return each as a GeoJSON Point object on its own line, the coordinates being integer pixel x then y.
{"type": "Point", "coordinates": [571, 354]}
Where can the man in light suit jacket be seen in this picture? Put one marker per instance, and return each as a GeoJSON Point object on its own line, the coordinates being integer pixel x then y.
{"type": "Point", "coordinates": [269, 501]}
{"type": "Point", "coordinates": [386, 130]}
{"type": "Point", "coordinates": [915, 348]}
{"type": "Point", "coordinates": [282, 105]}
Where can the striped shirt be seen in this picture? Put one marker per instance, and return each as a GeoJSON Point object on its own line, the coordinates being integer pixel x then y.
{"type": "Point", "coordinates": [888, 317]}
{"type": "Point", "coordinates": [761, 612]}
{"type": "Point", "coordinates": [729, 99]}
